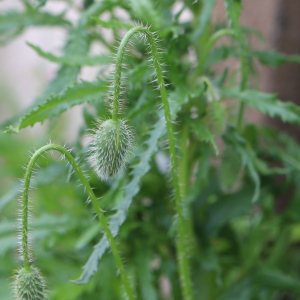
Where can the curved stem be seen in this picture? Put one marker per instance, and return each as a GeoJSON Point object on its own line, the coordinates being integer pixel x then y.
{"type": "Point", "coordinates": [92, 197]}
{"type": "Point", "coordinates": [184, 272]}
{"type": "Point", "coordinates": [209, 45]}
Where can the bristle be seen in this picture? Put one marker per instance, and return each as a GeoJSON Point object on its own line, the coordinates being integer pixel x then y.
{"type": "Point", "coordinates": [110, 147]}
{"type": "Point", "coordinates": [29, 284]}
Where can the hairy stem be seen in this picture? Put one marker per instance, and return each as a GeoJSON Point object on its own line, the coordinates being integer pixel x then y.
{"type": "Point", "coordinates": [92, 197]}
{"type": "Point", "coordinates": [184, 272]}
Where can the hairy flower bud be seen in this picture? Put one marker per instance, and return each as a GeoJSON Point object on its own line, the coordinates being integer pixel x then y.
{"type": "Point", "coordinates": [29, 284]}
{"type": "Point", "coordinates": [110, 148]}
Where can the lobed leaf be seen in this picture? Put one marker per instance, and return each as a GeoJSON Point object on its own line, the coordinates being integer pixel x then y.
{"type": "Point", "coordinates": [248, 158]}
{"type": "Point", "coordinates": [12, 23]}
{"type": "Point", "coordinates": [77, 44]}
{"type": "Point", "coordinates": [53, 106]}
{"type": "Point", "coordinates": [203, 133]}
{"type": "Point", "coordinates": [268, 104]}
{"type": "Point", "coordinates": [233, 9]}
{"type": "Point", "coordinates": [275, 59]}
{"type": "Point", "coordinates": [73, 60]}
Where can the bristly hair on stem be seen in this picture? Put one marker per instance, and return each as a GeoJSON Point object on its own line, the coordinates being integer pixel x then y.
{"type": "Point", "coordinates": [151, 40]}
{"type": "Point", "coordinates": [28, 279]}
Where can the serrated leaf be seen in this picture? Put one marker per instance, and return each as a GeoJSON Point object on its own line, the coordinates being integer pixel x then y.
{"type": "Point", "coordinates": [73, 60]}
{"type": "Point", "coordinates": [282, 146]}
{"type": "Point", "coordinates": [248, 158]}
{"type": "Point", "coordinates": [77, 44]}
{"type": "Point", "coordinates": [268, 104]}
{"type": "Point", "coordinates": [203, 133]}
{"type": "Point", "coordinates": [131, 190]}
{"type": "Point", "coordinates": [12, 23]}
{"type": "Point", "coordinates": [230, 170]}
{"type": "Point", "coordinates": [233, 9]}
{"type": "Point", "coordinates": [75, 94]}
{"type": "Point", "coordinates": [275, 59]}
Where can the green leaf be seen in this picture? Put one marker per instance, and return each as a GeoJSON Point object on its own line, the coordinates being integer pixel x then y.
{"type": "Point", "coordinates": [275, 59]}
{"type": "Point", "coordinates": [268, 104]}
{"type": "Point", "coordinates": [248, 158]}
{"type": "Point", "coordinates": [12, 23]}
{"type": "Point", "coordinates": [203, 133]}
{"type": "Point", "coordinates": [227, 208]}
{"type": "Point", "coordinates": [77, 44]}
{"type": "Point", "coordinates": [133, 187]}
{"type": "Point", "coordinates": [145, 275]}
{"type": "Point", "coordinates": [75, 94]}
{"type": "Point", "coordinates": [10, 195]}
{"type": "Point", "coordinates": [203, 19]}
{"type": "Point", "coordinates": [44, 226]}
{"type": "Point", "coordinates": [230, 170]}
{"type": "Point", "coordinates": [233, 9]}
{"type": "Point", "coordinates": [221, 53]}
{"type": "Point", "coordinates": [282, 147]}
{"type": "Point", "coordinates": [277, 280]}
{"type": "Point", "coordinates": [74, 60]}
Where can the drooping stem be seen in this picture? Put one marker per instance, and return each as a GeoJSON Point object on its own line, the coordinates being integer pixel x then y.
{"type": "Point", "coordinates": [184, 272]}
{"type": "Point", "coordinates": [93, 199]}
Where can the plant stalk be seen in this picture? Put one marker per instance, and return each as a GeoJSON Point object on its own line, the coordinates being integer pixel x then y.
{"type": "Point", "coordinates": [92, 197]}
{"type": "Point", "coordinates": [184, 272]}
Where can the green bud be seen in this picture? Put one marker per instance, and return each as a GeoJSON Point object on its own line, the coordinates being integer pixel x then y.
{"type": "Point", "coordinates": [29, 284]}
{"type": "Point", "coordinates": [110, 148]}
{"type": "Point", "coordinates": [215, 117]}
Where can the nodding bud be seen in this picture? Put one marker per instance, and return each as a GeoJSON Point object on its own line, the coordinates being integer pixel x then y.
{"type": "Point", "coordinates": [110, 147]}
{"type": "Point", "coordinates": [29, 284]}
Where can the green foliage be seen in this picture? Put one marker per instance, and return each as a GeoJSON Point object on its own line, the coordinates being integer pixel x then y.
{"type": "Point", "coordinates": [276, 59]}
{"type": "Point", "coordinates": [130, 190]}
{"type": "Point", "coordinates": [269, 104]}
{"type": "Point", "coordinates": [75, 60]}
{"type": "Point", "coordinates": [13, 23]}
{"type": "Point", "coordinates": [233, 175]}
{"type": "Point", "coordinates": [75, 94]}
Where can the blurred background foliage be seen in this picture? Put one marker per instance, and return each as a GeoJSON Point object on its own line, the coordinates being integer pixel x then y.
{"type": "Point", "coordinates": [243, 203]}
